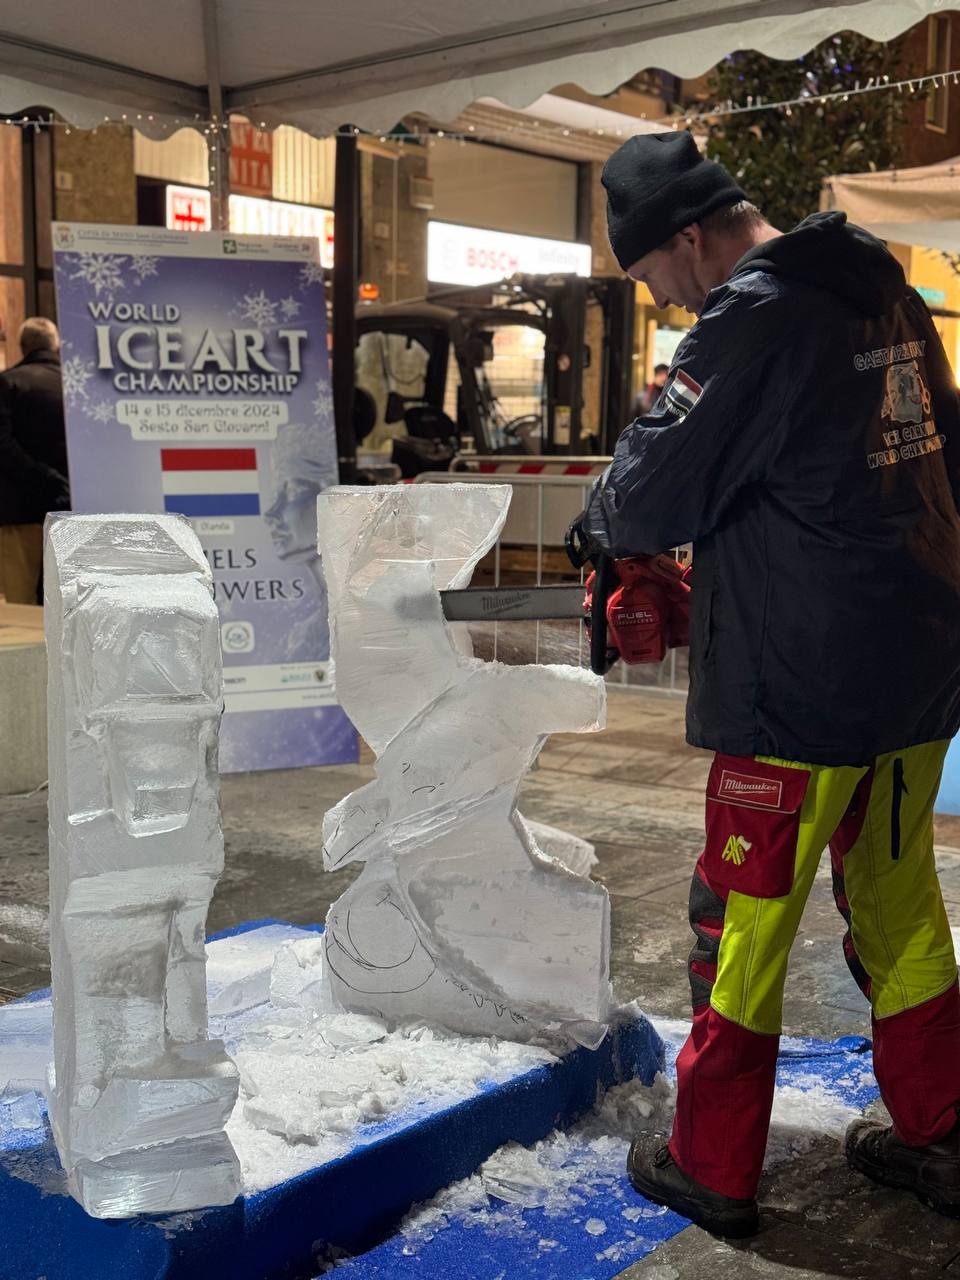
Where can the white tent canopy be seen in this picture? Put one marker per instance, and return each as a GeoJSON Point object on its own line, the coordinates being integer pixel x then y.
{"type": "Point", "coordinates": [320, 64]}
{"type": "Point", "coordinates": [909, 206]}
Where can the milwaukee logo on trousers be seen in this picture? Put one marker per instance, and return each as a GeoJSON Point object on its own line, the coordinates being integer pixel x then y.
{"type": "Point", "coordinates": [750, 789]}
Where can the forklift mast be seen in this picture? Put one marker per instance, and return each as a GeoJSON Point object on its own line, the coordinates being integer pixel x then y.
{"type": "Point", "coordinates": [567, 356]}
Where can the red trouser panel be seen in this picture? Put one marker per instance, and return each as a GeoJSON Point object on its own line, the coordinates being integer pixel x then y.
{"type": "Point", "coordinates": [916, 1059]}
{"type": "Point", "coordinates": [725, 1082]}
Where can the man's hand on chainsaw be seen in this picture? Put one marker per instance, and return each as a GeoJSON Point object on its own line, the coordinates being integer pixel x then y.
{"type": "Point", "coordinates": [647, 609]}
{"type": "Point", "coordinates": [638, 606]}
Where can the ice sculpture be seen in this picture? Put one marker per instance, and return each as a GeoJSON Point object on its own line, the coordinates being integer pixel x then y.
{"type": "Point", "coordinates": [139, 1096]}
{"type": "Point", "coordinates": [458, 915]}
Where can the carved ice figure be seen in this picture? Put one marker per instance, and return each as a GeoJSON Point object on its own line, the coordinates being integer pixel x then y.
{"type": "Point", "coordinates": [458, 915]}
{"type": "Point", "coordinates": [139, 1095]}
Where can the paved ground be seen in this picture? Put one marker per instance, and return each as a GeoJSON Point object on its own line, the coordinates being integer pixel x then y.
{"type": "Point", "coordinates": [637, 792]}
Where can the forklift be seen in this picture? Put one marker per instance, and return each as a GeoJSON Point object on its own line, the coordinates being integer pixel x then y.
{"type": "Point", "coordinates": [423, 372]}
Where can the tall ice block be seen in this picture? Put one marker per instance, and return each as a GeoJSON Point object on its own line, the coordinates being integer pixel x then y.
{"type": "Point", "coordinates": [460, 915]}
{"type": "Point", "coordinates": [139, 1096]}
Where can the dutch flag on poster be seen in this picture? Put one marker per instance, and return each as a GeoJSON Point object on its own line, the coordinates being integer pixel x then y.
{"type": "Point", "coordinates": [210, 482]}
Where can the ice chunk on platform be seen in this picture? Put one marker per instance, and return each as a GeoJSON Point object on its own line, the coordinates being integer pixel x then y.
{"type": "Point", "coordinates": [576, 854]}
{"type": "Point", "coordinates": [170, 1178]}
{"type": "Point", "coordinates": [140, 1095]}
{"type": "Point", "coordinates": [296, 978]}
{"type": "Point", "coordinates": [458, 915]}
{"type": "Point", "coordinates": [26, 1037]}
{"type": "Point", "coordinates": [239, 968]}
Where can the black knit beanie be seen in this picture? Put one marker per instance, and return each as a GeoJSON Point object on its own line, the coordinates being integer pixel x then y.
{"type": "Point", "coordinates": [658, 183]}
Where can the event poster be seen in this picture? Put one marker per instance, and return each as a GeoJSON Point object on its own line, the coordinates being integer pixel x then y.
{"type": "Point", "coordinates": [196, 380]}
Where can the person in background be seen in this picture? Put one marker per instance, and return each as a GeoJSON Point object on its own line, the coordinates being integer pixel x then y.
{"type": "Point", "coordinates": [650, 394]}
{"type": "Point", "coordinates": [33, 458]}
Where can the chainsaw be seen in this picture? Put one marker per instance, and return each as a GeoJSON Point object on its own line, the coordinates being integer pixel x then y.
{"type": "Point", "coordinates": [635, 608]}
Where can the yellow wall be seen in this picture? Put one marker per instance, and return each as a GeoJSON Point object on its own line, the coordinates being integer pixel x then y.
{"type": "Point", "coordinates": [648, 317]}
{"type": "Point", "coordinates": [927, 269]}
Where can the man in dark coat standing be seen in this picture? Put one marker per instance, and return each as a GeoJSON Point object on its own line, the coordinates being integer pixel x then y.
{"type": "Point", "coordinates": [807, 443]}
{"type": "Point", "coordinates": [33, 458]}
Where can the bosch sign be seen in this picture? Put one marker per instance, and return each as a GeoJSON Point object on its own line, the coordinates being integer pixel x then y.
{"type": "Point", "coordinates": [470, 255]}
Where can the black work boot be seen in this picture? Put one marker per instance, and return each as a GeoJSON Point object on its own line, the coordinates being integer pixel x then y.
{"type": "Point", "coordinates": [932, 1173]}
{"type": "Point", "coordinates": [657, 1176]}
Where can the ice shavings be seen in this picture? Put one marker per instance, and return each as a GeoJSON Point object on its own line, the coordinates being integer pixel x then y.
{"type": "Point", "coordinates": [564, 1177]}
{"type": "Point", "coordinates": [578, 1176]}
{"type": "Point", "coordinates": [313, 1086]}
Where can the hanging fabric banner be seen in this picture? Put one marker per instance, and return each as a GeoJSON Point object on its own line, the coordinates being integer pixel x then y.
{"type": "Point", "coordinates": [196, 381]}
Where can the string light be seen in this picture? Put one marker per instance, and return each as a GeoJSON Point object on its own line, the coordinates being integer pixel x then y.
{"type": "Point", "coordinates": [685, 119]}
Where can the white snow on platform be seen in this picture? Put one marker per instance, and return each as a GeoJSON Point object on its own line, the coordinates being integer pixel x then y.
{"type": "Point", "coordinates": [569, 1172]}
{"type": "Point", "coordinates": [313, 1079]}
{"type": "Point", "coordinates": [310, 1083]}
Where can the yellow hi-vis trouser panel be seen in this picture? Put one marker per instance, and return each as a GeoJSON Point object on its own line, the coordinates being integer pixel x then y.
{"type": "Point", "coordinates": [878, 821]}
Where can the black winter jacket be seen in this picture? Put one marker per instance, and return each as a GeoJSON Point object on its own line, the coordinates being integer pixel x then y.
{"type": "Point", "coordinates": [808, 444]}
{"type": "Point", "coordinates": [33, 450]}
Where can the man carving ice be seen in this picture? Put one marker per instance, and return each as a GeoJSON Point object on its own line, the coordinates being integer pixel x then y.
{"type": "Point", "coordinates": [824, 654]}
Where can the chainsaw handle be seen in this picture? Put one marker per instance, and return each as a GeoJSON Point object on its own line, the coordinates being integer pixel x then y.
{"type": "Point", "coordinates": [606, 581]}
{"type": "Point", "coordinates": [578, 545]}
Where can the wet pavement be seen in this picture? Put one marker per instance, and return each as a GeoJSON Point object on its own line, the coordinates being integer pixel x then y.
{"type": "Point", "coordinates": [636, 791]}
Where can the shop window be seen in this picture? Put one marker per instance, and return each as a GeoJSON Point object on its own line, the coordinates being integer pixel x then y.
{"type": "Point", "coordinates": [938, 62]}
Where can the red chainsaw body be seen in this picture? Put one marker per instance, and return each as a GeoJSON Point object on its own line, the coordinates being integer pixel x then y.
{"type": "Point", "coordinates": [648, 613]}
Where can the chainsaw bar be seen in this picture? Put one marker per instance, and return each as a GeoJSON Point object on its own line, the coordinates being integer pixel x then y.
{"type": "Point", "coordinates": [513, 604]}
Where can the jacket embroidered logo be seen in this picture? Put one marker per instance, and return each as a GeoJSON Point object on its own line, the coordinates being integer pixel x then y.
{"type": "Point", "coordinates": [736, 850]}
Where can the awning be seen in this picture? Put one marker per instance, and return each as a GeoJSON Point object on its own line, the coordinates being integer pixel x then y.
{"type": "Point", "coordinates": [909, 206]}
{"type": "Point", "coordinates": [320, 64]}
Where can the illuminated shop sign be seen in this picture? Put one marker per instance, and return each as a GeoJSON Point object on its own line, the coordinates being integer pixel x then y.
{"type": "Point", "coordinates": [189, 209]}
{"type": "Point", "coordinates": [469, 255]}
{"type": "Point", "coordinates": [252, 217]}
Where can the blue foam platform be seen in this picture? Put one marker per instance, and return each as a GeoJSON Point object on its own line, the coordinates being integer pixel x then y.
{"type": "Point", "coordinates": [601, 1226]}
{"type": "Point", "coordinates": [350, 1202]}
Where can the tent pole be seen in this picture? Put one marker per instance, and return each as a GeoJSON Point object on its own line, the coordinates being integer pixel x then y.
{"type": "Point", "coordinates": [346, 212]}
{"type": "Point", "coordinates": [218, 140]}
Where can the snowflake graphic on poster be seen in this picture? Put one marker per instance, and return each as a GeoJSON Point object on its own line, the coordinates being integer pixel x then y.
{"type": "Point", "coordinates": [323, 404]}
{"type": "Point", "coordinates": [258, 309]}
{"type": "Point", "coordinates": [143, 265]}
{"type": "Point", "coordinates": [101, 270]}
{"type": "Point", "coordinates": [76, 373]}
{"type": "Point", "coordinates": [102, 412]}
{"type": "Point", "coordinates": [290, 308]}
{"type": "Point", "coordinates": [310, 273]}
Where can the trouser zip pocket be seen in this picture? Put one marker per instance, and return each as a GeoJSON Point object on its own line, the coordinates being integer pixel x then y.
{"type": "Point", "coordinates": [899, 791]}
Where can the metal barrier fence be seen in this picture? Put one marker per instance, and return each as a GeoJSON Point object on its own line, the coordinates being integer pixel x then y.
{"type": "Point", "coordinates": [541, 510]}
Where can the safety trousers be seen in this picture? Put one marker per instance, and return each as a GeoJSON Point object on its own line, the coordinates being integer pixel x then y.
{"type": "Point", "coordinates": [767, 824]}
